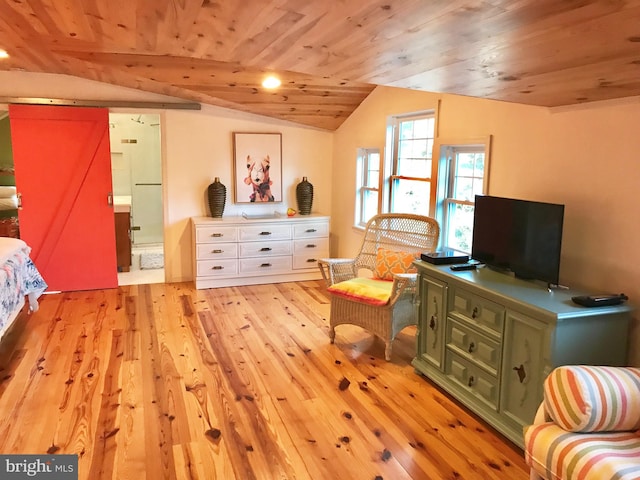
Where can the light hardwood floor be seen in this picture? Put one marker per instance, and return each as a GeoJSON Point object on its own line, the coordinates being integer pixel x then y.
{"type": "Point", "coordinates": [165, 381]}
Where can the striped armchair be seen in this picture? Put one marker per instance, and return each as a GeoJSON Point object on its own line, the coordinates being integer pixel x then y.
{"type": "Point", "coordinates": [587, 426]}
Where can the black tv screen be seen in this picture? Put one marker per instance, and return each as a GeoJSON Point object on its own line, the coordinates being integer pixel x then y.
{"type": "Point", "coordinates": [520, 236]}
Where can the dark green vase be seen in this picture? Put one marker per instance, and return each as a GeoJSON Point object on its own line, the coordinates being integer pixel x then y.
{"type": "Point", "coordinates": [304, 196]}
{"type": "Point", "coordinates": [217, 194]}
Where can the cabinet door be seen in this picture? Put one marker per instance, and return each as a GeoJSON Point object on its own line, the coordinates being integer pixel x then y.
{"type": "Point", "coordinates": [522, 368]}
{"type": "Point", "coordinates": [433, 299]}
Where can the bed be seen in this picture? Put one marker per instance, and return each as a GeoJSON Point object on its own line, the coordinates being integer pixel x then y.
{"type": "Point", "coordinates": [19, 281]}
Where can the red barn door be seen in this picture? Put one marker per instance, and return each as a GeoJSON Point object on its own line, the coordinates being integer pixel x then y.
{"type": "Point", "coordinates": [62, 166]}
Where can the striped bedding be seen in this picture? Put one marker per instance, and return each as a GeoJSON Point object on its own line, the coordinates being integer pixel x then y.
{"type": "Point", "coordinates": [593, 435]}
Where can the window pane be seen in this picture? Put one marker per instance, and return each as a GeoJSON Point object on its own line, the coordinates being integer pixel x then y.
{"type": "Point", "coordinates": [411, 196]}
{"type": "Point", "coordinates": [460, 227]}
{"type": "Point", "coordinates": [372, 180]}
{"type": "Point", "coordinates": [465, 164]}
{"type": "Point", "coordinates": [414, 168]}
{"type": "Point", "coordinates": [423, 127]}
{"type": "Point", "coordinates": [373, 170]}
{"type": "Point", "coordinates": [370, 205]}
{"type": "Point", "coordinates": [464, 189]}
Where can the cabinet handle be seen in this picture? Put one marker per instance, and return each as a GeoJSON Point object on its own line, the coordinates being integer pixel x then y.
{"type": "Point", "coordinates": [265, 233]}
{"type": "Point", "coordinates": [522, 374]}
{"type": "Point", "coordinates": [217, 267]}
{"type": "Point", "coordinates": [433, 322]}
{"type": "Point", "coordinates": [216, 234]}
{"type": "Point", "coordinates": [474, 314]}
{"type": "Point", "coordinates": [472, 347]}
{"type": "Point", "coordinates": [471, 381]}
{"type": "Point", "coordinates": [265, 249]}
{"type": "Point", "coordinates": [265, 265]}
{"type": "Point", "coordinates": [310, 230]}
{"type": "Point", "coordinates": [216, 251]}
{"type": "Point", "coordinates": [311, 245]}
{"type": "Point", "coordinates": [312, 260]}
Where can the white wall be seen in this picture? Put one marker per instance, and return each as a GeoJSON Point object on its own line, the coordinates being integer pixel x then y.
{"type": "Point", "coordinates": [198, 147]}
{"type": "Point", "coordinates": [585, 157]}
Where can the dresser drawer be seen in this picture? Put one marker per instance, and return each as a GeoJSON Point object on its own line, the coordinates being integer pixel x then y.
{"type": "Point", "coordinates": [310, 260]}
{"type": "Point", "coordinates": [207, 251]}
{"type": "Point", "coordinates": [214, 234]}
{"type": "Point", "coordinates": [474, 346]}
{"type": "Point", "coordinates": [217, 268]}
{"type": "Point", "coordinates": [257, 233]}
{"type": "Point", "coordinates": [472, 378]}
{"type": "Point", "coordinates": [265, 249]}
{"type": "Point", "coordinates": [264, 266]}
{"type": "Point", "coordinates": [486, 315]}
{"type": "Point", "coordinates": [310, 230]}
{"type": "Point", "coordinates": [310, 245]}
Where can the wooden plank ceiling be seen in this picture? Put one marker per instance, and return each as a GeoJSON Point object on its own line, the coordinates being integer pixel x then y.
{"type": "Point", "coordinates": [330, 54]}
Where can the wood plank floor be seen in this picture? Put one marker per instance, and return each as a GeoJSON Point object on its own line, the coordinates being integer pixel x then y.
{"type": "Point", "coordinates": [165, 381]}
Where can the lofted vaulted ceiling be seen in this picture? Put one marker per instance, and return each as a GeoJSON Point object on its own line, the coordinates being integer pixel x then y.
{"type": "Point", "coordinates": [330, 54]}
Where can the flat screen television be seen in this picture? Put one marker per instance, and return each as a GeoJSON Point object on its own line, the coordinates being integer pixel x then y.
{"type": "Point", "coordinates": [519, 236]}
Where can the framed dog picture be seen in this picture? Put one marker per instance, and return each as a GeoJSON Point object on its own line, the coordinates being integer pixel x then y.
{"type": "Point", "coordinates": [257, 167]}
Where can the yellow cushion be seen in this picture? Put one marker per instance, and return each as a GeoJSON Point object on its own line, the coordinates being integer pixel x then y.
{"type": "Point", "coordinates": [367, 290]}
{"type": "Point", "coordinates": [389, 262]}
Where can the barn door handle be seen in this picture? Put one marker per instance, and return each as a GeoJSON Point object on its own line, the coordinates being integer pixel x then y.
{"type": "Point", "coordinates": [110, 199]}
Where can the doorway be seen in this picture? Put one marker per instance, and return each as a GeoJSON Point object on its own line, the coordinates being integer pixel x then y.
{"type": "Point", "coordinates": [136, 164]}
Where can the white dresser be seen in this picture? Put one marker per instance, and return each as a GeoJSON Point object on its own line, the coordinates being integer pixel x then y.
{"type": "Point", "coordinates": [232, 251]}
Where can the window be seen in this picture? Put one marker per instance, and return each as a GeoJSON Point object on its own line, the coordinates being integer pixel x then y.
{"type": "Point", "coordinates": [464, 169]}
{"type": "Point", "coordinates": [368, 185]}
{"type": "Point", "coordinates": [410, 182]}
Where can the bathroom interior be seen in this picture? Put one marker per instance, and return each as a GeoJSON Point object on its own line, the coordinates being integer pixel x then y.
{"type": "Point", "coordinates": [136, 170]}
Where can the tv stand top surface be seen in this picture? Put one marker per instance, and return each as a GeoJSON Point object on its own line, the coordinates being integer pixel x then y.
{"type": "Point", "coordinates": [537, 295]}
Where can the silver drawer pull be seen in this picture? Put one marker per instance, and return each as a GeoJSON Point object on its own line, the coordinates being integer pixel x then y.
{"type": "Point", "coordinates": [312, 260]}
{"type": "Point", "coordinates": [216, 251]}
{"type": "Point", "coordinates": [217, 267]}
{"type": "Point", "coordinates": [265, 249]}
{"type": "Point", "coordinates": [311, 245]}
{"type": "Point", "coordinates": [216, 234]}
{"type": "Point", "coordinates": [310, 230]}
{"type": "Point", "coordinates": [265, 233]}
{"type": "Point", "coordinates": [265, 265]}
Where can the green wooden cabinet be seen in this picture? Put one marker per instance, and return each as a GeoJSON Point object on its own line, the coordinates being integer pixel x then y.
{"type": "Point", "coordinates": [490, 339]}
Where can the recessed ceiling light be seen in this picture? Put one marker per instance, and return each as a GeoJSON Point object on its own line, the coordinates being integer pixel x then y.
{"type": "Point", "coordinates": [3, 54]}
{"type": "Point", "coordinates": [271, 82]}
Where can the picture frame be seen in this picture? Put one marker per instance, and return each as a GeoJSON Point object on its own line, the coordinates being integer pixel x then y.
{"type": "Point", "coordinates": [257, 167]}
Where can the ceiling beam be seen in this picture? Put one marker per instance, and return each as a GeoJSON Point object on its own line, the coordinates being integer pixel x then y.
{"type": "Point", "coordinates": [100, 103]}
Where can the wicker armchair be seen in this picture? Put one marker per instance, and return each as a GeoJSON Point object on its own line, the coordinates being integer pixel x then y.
{"type": "Point", "coordinates": [398, 232]}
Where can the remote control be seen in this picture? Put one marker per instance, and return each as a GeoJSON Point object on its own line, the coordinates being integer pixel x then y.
{"type": "Point", "coordinates": [464, 266]}
{"type": "Point", "coordinates": [599, 300]}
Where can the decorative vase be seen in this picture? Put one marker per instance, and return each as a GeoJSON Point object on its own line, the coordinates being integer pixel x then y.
{"type": "Point", "coordinates": [304, 196]}
{"type": "Point", "coordinates": [217, 194]}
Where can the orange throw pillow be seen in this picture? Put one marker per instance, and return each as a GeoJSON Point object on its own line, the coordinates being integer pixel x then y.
{"type": "Point", "coordinates": [389, 262]}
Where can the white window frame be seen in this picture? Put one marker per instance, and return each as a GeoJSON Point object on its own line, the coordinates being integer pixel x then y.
{"type": "Point", "coordinates": [391, 161]}
{"type": "Point", "coordinates": [444, 150]}
{"type": "Point", "coordinates": [363, 186]}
